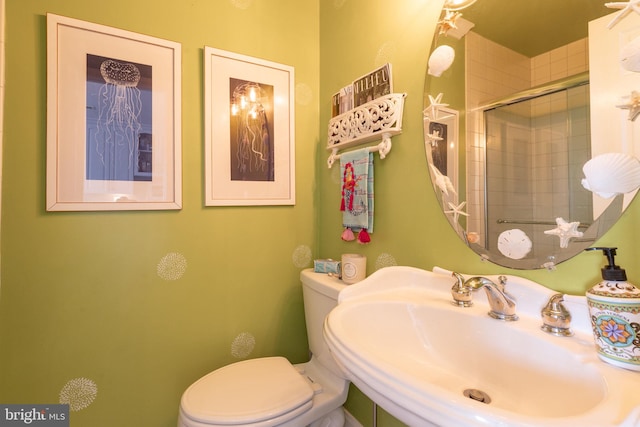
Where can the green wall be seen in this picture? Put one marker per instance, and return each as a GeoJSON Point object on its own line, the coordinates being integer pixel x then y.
{"type": "Point", "coordinates": [410, 229]}
{"type": "Point", "coordinates": [82, 303]}
{"type": "Point", "coordinates": [356, 36]}
{"type": "Point", "coordinates": [82, 299]}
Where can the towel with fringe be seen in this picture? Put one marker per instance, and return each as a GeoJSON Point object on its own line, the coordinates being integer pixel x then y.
{"type": "Point", "coordinates": [356, 169]}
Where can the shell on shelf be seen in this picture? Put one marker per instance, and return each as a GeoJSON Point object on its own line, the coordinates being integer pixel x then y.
{"type": "Point", "coordinates": [440, 60]}
{"type": "Point", "coordinates": [630, 55]}
{"type": "Point", "coordinates": [610, 174]}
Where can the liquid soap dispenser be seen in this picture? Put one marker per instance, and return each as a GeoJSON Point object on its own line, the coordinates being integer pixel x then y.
{"type": "Point", "coordinates": [614, 307]}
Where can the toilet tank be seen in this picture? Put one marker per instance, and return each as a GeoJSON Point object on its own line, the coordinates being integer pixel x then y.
{"type": "Point", "coordinates": [320, 292]}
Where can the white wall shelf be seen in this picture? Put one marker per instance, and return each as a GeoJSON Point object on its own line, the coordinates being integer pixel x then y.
{"type": "Point", "coordinates": [377, 120]}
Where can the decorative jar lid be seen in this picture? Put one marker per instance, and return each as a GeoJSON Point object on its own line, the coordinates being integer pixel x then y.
{"type": "Point", "coordinates": [615, 289]}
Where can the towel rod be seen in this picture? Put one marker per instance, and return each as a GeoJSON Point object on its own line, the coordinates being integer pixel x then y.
{"type": "Point", "coordinates": [382, 148]}
{"type": "Point", "coordinates": [533, 222]}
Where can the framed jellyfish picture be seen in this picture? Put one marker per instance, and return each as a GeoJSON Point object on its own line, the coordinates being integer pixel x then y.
{"type": "Point", "coordinates": [249, 130]}
{"type": "Point", "coordinates": [113, 119]}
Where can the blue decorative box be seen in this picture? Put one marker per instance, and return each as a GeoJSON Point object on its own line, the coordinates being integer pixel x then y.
{"type": "Point", "coordinates": [328, 266]}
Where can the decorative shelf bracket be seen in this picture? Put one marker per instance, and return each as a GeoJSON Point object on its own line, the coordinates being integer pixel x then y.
{"type": "Point", "coordinates": [379, 119]}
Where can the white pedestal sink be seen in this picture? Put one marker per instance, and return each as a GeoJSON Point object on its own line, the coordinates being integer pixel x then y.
{"type": "Point", "coordinates": [401, 342]}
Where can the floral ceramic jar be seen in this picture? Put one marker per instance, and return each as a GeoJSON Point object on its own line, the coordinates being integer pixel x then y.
{"type": "Point", "coordinates": [614, 307]}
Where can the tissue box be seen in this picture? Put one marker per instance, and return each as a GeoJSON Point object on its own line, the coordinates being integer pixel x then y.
{"type": "Point", "coordinates": [326, 266]}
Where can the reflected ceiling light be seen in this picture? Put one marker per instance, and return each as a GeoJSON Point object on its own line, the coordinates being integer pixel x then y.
{"type": "Point", "coordinates": [457, 4]}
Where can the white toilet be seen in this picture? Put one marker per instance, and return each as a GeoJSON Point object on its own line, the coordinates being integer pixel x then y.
{"type": "Point", "coordinates": [271, 391]}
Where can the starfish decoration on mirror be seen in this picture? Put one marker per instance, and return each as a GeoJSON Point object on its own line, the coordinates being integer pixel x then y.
{"type": "Point", "coordinates": [565, 231]}
{"type": "Point", "coordinates": [456, 211]}
{"type": "Point", "coordinates": [626, 8]}
{"type": "Point", "coordinates": [431, 112]}
{"type": "Point", "coordinates": [434, 138]}
{"type": "Point", "coordinates": [448, 21]}
{"type": "Point", "coordinates": [633, 105]}
{"type": "Point", "coordinates": [442, 181]}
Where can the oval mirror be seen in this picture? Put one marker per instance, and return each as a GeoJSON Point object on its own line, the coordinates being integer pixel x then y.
{"type": "Point", "coordinates": [510, 135]}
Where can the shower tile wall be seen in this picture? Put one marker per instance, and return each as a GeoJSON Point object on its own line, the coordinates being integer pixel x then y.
{"type": "Point", "coordinates": [562, 62]}
{"type": "Point", "coordinates": [510, 155]}
{"type": "Point", "coordinates": [494, 72]}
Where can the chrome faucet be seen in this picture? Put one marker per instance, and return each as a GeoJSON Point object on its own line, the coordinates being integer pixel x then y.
{"type": "Point", "coordinates": [503, 305]}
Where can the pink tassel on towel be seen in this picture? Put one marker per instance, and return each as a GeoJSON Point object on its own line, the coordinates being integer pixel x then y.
{"type": "Point", "coordinates": [347, 235]}
{"type": "Point", "coordinates": [363, 237]}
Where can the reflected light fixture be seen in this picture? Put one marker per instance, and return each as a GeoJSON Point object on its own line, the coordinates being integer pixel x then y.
{"type": "Point", "coordinates": [455, 5]}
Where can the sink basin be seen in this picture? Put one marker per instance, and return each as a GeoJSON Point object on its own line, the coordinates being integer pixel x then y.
{"type": "Point", "coordinates": [427, 362]}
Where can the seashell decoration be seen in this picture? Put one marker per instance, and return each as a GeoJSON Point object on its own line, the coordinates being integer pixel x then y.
{"type": "Point", "coordinates": [630, 55]}
{"type": "Point", "coordinates": [611, 174]}
{"type": "Point", "coordinates": [441, 59]}
{"type": "Point", "coordinates": [442, 181]}
{"type": "Point", "coordinates": [514, 243]}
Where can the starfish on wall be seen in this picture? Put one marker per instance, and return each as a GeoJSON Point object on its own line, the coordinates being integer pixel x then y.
{"type": "Point", "coordinates": [626, 8]}
{"type": "Point", "coordinates": [633, 105]}
{"type": "Point", "coordinates": [456, 211]}
{"type": "Point", "coordinates": [565, 231]}
{"type": "Point", "coordinates": [431, 112]}
{"type": "Point", "coordinates": [434, 138]}
{"type": "Point", "coordinates": [448, 21]}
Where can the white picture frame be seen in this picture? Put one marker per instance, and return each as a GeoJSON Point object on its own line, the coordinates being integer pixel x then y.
{"type": "Point", "coordinates": [249, 148]}
{"type": "Point", "coordinates": [113, 119]}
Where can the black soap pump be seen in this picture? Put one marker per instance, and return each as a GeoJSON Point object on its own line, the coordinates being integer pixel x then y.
{"type": "Point", "coordinates": [611, 271]}
{"type": "Point", "coordinates": [614, 307]}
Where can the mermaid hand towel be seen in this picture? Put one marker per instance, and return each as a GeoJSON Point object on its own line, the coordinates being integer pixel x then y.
{"type": "Point", "coordinates": [356, 203]}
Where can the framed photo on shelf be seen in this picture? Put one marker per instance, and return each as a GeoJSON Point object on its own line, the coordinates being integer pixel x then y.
{"type": "Point", "coordinates": [249, 130]}
{"type": "Point", "coordinates": [372, 85]}
{"type": "Point", "coordinates": [342, 101]}
{"type": "Point", "coordinates": [113, 119]}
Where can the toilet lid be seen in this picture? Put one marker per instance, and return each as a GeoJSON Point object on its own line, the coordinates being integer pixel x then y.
{"type": "Point", "coordinates": [246, 392]}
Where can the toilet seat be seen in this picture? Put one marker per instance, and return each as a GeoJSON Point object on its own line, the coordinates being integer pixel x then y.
{"type": "Point", "coordinates": [248, 392]}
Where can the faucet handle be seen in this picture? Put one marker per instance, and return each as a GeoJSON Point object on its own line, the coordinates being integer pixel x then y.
{"type": "Point", "coordinates": [556, 319]}
{"type": "Point", "coordinates": [461, 294]}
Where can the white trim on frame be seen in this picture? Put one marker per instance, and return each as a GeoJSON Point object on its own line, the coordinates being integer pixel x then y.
{"type": "Point", "coordinates": [113, 119]}
{"type": "Point", "coordinates": [249, 130]}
